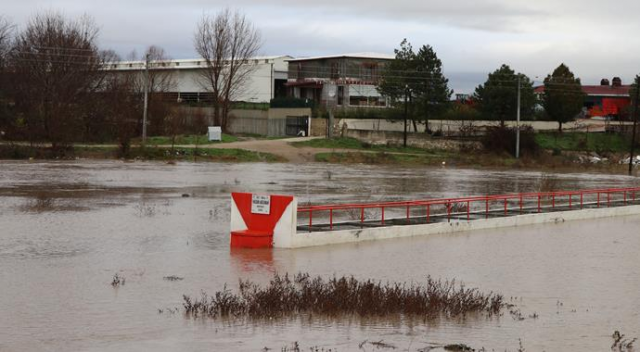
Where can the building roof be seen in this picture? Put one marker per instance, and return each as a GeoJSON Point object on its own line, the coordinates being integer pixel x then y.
{"type": "Point", "coordinates": [364, 55]}
{"type": "Point", "coordinates": [181, 63]}
{"type": "Point", "coordinates": [602, 91]}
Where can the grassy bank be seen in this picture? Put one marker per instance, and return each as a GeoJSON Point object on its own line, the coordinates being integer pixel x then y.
{"type": "Point", "coordinates": [149, 153]}
{"type": "Point", "coordinates": [544, 161]}
{"type": "Point", "coordinates": [585, 142]}
{"type": "Point", "coordinates": [352, 143]}
{"type": "Point", "coordinates": [425, 158]}
{"type": "Point", "coordinates": [186, 140]}
{"type": "Point", "coordinates": [202, 139]}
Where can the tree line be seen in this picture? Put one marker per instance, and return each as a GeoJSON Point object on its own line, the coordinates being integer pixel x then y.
{"type": "Point", "coordinates": [57, 86]}
{"type": "Point", "coordinates": [416, 78]}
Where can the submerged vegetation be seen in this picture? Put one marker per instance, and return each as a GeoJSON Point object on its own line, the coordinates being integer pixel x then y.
{"type": "Point", "coordinates": [345, 295]}
{"type": "Point", "coordinates": [117, 280]}
{"type": "Point", "coordinates": [622, 344]}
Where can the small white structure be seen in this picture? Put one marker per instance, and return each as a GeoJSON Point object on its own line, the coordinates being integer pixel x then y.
{"type": "Point", "coordinates": [215, 133]}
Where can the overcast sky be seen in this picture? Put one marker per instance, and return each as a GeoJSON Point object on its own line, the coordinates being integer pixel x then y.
{"type": "Point", "coordinates": [594, 38]}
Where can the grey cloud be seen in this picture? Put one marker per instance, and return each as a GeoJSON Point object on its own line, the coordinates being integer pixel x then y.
{"type": "Point", "coordinates": [471, 37]}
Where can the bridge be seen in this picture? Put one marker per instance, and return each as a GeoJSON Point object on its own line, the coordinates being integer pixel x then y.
{"type": "Point", "coordinates": [289, 226]}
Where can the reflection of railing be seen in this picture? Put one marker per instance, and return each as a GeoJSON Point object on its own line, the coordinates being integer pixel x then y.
{"type": "Point", "coordinates": [463, 208]}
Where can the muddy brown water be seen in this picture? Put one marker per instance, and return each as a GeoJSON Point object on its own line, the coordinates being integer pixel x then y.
{"type": "Point", "coordinates": [67, 227]}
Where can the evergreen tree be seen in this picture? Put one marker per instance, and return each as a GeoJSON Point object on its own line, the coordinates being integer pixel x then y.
{"type": "Point", "coordinates": [421, 74]}
{"type": "Point", "coordinates": [430, 87]}
{"type": "Point", "coordinates": [563, 95]}
{"type": "Point", "coordinates": [632, 93]}
{"type": "Point", "coordinates": [498, 97]}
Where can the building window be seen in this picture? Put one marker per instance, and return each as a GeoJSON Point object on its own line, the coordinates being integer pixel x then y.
{"type": "Point", "coordinates": [370, 71]}
{"type": "Point", "coordinates": [335, 70]}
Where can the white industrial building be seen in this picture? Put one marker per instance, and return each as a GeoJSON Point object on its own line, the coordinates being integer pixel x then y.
{"type": "Point", "coordinates": [267, 81]}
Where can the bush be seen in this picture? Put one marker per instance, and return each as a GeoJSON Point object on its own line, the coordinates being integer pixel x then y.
{"type": "Point", "coordinates": [289, 102]}
{"type": "Point", "coordinates": [461, 112]}
{"type": "Point", "coordinates": [503, 139]}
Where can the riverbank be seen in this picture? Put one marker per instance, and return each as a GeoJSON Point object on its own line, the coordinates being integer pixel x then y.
{"type": "Point", "coordinates": [555, 152]}
{"type": "Point", "coordinates": [163, 153]}
{"type": "Point", "coordinates": [599, 152]}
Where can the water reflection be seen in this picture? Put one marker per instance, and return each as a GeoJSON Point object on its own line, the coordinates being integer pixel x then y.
{"type": "Point", "coordinates": [252, 261]}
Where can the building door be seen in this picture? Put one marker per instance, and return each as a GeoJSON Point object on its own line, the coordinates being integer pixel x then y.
{"type": "Point", "coordinates": [296, 124]}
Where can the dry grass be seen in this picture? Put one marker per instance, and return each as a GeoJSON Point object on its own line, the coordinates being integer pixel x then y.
{"type": "Point", "coordinates": [622, 344]}
{"type": "Point", "coordinates": [345, 295]}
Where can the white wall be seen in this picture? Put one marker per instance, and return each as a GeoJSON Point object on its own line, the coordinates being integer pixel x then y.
{"type": "Point", "coordinates": [187, 76]}
{"type": "Point", "coordinates": [305, 239]}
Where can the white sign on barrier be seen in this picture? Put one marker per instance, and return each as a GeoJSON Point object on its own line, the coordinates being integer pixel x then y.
{"type": "Point", "coordinates": [260, 204]}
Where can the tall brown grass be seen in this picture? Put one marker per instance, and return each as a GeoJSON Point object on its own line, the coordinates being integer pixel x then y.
{"type": "Point", "coordinates": [344, 295]}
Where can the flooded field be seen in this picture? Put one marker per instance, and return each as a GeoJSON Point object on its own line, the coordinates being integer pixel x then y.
{"type": "Point", "coordinates": [66, 228]}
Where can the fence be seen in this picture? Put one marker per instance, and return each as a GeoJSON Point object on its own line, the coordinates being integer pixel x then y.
{"type": "Point", "coordinates": [348, 216]}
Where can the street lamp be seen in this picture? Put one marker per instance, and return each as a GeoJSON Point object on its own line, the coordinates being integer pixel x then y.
{"type": "Point", "coordinates": [407, 96]}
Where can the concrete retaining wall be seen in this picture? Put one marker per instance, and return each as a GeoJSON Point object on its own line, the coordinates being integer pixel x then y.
{"type": "Point", "coordinates": [419, 140]}
{"type": "Point", "coordinates": [303, 239]}
{"type": "Point", "coordinates": [318, 127]}
{"type": "Point", "coordinates": [452, 127]}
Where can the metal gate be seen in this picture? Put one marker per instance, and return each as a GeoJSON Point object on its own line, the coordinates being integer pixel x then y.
{"type": "Point", "coordinates": [296, 124]}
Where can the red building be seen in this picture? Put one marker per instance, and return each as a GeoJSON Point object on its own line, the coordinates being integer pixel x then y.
{"type": "Point", "coordinates": [611, 100]}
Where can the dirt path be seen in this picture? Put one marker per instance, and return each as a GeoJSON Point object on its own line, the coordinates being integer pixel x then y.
{"type": "Point", "coordinates": [279, 147]}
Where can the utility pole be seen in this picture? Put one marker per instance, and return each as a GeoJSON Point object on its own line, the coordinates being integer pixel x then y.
{"type": "Point", "coordinates": [518, 122]}
{"type": "Point", "coordinates": [635, 124]}
{"type": "Point", "coordinates": [406, 112]}
{"type": "Point", "coordinates": [146, 99]}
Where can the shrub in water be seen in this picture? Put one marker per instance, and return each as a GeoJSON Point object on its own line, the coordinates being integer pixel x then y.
{"type": "Point", "coordinates": [345, 295]}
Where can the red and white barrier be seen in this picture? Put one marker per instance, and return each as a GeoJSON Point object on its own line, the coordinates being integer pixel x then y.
{"type": "Point", "coordinates": [262, 221]}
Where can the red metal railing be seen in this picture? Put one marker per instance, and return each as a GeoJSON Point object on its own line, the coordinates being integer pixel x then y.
{"type": "Point", "coordinates": [478, 205]}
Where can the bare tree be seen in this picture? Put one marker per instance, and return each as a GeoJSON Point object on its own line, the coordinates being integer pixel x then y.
{"type": "Point", "coordinates": [6, 29]}
{"type": "Point", "coordinates": [226, 41]}
{"type": "Point", "coordinates": [122, 109]}
{"type": "Point", "coordinates": [95, 110]}
{"type": "Point", "coordinates": [159, 80]}
{"type": "Point", "coordinates": [56, 66]}
{"type": "Point", "coordinates": [174, 125]}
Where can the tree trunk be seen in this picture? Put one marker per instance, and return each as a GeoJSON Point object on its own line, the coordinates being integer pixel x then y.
{"type": "Point", "coordinates": [216, 114]}
{"type": "Point", "coordinates": [426, 122]}
{"type": "Point", "coordinates": [560, 127]}
{"type": "Point", "coordinates": [224, 121]}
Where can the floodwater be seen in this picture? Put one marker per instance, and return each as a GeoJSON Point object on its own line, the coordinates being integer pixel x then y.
{"type": "Point", "coordinates": [67, 227]}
